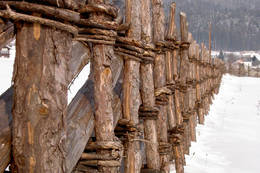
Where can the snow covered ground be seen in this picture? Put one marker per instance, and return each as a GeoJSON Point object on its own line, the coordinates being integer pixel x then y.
{"type": "Point", "coordinates": [230, 139]}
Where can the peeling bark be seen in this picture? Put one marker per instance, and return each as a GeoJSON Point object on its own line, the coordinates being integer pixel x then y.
{"type": "Point", "coordinates": [6, 33]}
{"type": "Point", "coordinates": [131, 85]}
{"type": "Point", "coordinates": [160, 75]}
{"type": "Point", "coordinates": [147, 92]}
{"type": "Point", "coordinates": [40, 98]}
{"type": "Point", "coordinates": [80, 57]}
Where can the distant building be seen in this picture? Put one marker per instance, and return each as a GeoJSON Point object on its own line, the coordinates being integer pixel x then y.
{"type": "Point", "coordinates": [255, 62]}
{"type": "Point", "coordinates": [5, 52]}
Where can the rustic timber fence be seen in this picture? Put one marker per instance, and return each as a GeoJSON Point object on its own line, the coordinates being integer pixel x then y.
{"type": "Point", "coordinates": [142, 100]}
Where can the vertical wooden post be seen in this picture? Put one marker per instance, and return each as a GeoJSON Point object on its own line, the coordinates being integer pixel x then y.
{"type": "Point", "coordinates": [147, 92]}
{"type": "Point", "coordinates": [198, 85]}
{"type": "Point", "coordinates": [131, 85]}
{"type": "Point", "coordinates": [40, 98]}
{"type": "Point", "coordinates": [177, 149]}
{"type": "Point", "coordinates": [172, 36]}
{"type": "Point", "coordinates": [160, 77]}
{"type": "Point", "coordinates": [191, 90]}
{"type": "Point", "coordinates": [102, 78]}
{"type": "Point", "coordinates": [184, 75]}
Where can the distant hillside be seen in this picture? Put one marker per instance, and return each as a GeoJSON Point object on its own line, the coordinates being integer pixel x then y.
{"type": "Point", "coordinates": [235, 23]}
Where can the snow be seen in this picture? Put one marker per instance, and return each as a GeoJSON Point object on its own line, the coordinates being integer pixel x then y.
{"type": "Point", "coordinates": [78, 82]}
{"type": "Point", "coordinates": [6, 70]}
{"type": "Point", "coordinates": [229, 140]}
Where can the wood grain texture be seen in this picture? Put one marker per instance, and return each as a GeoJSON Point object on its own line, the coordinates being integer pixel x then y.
{"type": "Point", "coordinates": [147, 91]}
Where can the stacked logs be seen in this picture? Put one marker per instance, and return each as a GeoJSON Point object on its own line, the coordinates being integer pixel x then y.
{"type": "Point", "coordinates": [142, 120]}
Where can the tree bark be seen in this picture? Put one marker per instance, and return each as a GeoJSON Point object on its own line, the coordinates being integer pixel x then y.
{"type": "Point", "coordinates": [131, 86]}
{"type": "Point", "coordinates": [80, 57]}
{"type": "Point", "coordinates": [40, 98]}
{"type": "Point", "coordinates": [172, 34]}
{"type": "Point", "coordinates": [183, 77]}
{"type": "Point", "coordinates": [160, 75]}
{"type": "Point", "coordinates": [147, 92]}
{"type": "Point", "coordinates": [6, 33]}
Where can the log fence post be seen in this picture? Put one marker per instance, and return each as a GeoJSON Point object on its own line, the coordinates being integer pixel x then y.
{"type": "Point", "coordinates": [148, 111]}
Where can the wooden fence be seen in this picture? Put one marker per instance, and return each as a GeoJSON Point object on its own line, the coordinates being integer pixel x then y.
{"type": "Point", "coordinates": [139, 108]}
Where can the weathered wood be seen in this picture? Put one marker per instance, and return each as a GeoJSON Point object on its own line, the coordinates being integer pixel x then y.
{"type": "Point", "coordinates": [183, 76]}
{"type": "Point", "coordinates": [53, 12]}
{"type": "Point", "coordinates": [80, 57]}
{"type": "Point", "coordinates": [102, 78]}
{"type": "Point", "coordinates": [69, 4]}
{"type": "Point", "coordinates": [10, 14]}
{"type": "Point", "coordinates": [160, 74]}
{"type": "Point", "coordinates": [147, 92]}
{"type": "Point", "coordinates": [5, 128]}
{"type": "Point", "coordinates": [172, 33]}
{"type": "Point", "coordinates": [172, 30]}
{"type": "Point", "coordinates": [131, 85]}
{"type": "Point", "coordinates": [40, 98]}
{"type": "Point", "coordinates": [6, 33]}
{"type": "Point", "coordinates": [101, 8]}
{"type": "Point", "coordinates": [81, 116]}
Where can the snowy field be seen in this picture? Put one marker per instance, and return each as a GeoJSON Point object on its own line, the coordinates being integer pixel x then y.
{"type": "Point", "coordinates": [230, 139]}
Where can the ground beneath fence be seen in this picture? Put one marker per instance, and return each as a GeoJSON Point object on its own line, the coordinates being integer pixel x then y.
{"type": "Point", "coordinates": [230, 139]}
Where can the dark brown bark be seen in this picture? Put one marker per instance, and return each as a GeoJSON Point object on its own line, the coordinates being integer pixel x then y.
{"type": "Point", "coordinates": [147, 92]}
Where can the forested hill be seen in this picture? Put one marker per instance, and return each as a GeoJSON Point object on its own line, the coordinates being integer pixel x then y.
{"type": "Point", "coordinates": [235, 23]}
